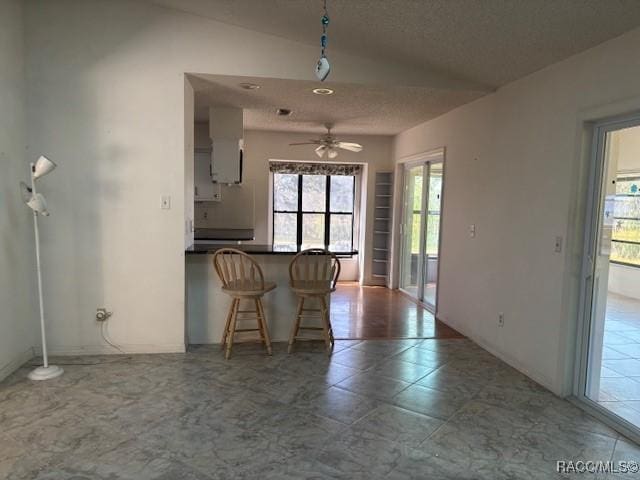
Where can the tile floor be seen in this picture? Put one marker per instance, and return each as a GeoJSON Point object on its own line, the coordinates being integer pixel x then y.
{"type": "Point", "coordinates": [402, 409]}
{"type": "Point", "coordinates": [620, 375]}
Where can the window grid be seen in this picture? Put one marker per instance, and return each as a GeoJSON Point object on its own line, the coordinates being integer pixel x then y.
{"type": "Point", "coordinates": [622, 196]}
{"type": "Point", "coordinates": [327, 212]}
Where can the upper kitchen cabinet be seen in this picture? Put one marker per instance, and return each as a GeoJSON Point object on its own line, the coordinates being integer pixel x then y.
{"type": "Point", "coordinates": [204, 188]}
{"type": "Point", "coordinates": [226, 132]}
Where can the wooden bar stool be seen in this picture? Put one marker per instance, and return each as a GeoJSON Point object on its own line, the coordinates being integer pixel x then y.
{"type": "Point", "coordinates": [242, 279]}
{"type": "Point", "coordinates": [313, 275]}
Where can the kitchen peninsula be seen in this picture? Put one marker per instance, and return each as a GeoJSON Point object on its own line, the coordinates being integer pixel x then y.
{"type": "Point", "coordinates": [207, 305]}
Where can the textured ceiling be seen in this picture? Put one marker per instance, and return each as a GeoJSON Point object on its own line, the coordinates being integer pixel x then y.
{"type": "Point", "coordinates": [362, 109]}
{"type": "Point", "coordinates": [488, 41]}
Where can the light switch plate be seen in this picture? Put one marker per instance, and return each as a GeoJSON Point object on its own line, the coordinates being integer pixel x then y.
{"type": "Point", "coordinates": [558, 246]}
{"type": "Point", "coordinates": [165, 202]}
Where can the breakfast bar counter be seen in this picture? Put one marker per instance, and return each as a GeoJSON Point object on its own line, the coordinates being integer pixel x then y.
{"type": "Point", "coordinates": [207, 306]}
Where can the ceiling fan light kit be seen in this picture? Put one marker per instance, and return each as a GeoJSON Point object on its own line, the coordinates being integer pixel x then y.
{"type": "Point", "coordinates": [329, 145]}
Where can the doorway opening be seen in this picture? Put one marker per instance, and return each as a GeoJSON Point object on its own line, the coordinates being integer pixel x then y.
{"type": "Point", "coordinates": [610, 357]}
{"type": "Point", "coordinates": [420, 230]}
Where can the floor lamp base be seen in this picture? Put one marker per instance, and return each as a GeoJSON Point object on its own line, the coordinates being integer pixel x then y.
{"type": "Point", "coordinates": [46, 373]}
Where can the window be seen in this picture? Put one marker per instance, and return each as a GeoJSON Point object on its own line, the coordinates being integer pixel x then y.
{"type": "Point", "coordinates": [625, 240]}
{"type": "Point", "coordinates": [314, 211]}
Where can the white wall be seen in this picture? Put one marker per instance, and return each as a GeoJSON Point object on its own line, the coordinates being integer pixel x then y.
{"type": "Point", "coordinates": [106, 101]}
{"type": "Point", "coordinates": [18, 317]}
{"type": "Point", "coordinates": [189, 173]}
{"type": "Point", "coordinates": [515, 167]}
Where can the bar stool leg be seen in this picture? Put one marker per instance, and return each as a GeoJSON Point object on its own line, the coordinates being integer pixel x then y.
{"type": "Point", "coordinates": [326, 326]}
{"type": "Point", "coordinates": [258, 319]}
{"type": "Point", "coordinates": [228, 323]}
{"type": "Point", "coordinates": [329, 326]}
{"type": "Point", "coordinates": [262, 322]}
{"type": "Point", "coordinates": [296, 324]}
{"type": "Point", "coordinates": [232, 329]}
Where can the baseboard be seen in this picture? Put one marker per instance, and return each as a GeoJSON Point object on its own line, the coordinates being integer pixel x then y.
{"type": "Point", "coordinates": [508, 359]}
{"type": "Point", "coordinates": [15, 363]}
{"type": "Point", "coordinates": [108, 350]}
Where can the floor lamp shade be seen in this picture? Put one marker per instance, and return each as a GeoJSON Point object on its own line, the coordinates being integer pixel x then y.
{"type": "Point", "coordinates": [38, 204]}
{"type": "Point", "coordinates": [35, 202]}
{"type": "Point", "coordinates": [43, 166]}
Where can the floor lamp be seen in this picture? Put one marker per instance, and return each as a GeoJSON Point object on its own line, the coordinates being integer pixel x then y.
{"type": "Point", "coordinates": [37, 203]}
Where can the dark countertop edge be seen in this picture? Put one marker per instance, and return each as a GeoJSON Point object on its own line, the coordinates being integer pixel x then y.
{"type": "Point", "coordinates": [252, 249]}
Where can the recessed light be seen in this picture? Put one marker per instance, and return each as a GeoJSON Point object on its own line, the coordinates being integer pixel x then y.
{"type": "Point", "coordinates": [283, 112]}
{"type": "Point", "coordinates": [249, 86]}
{"type": "Point", "coordinates": [323, 91]}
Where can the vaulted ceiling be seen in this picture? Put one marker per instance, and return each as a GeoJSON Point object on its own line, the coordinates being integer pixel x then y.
{"type": "Point", "coordinates": [476, 46]}
{"type": "Point", "coordinates": [488, 41]}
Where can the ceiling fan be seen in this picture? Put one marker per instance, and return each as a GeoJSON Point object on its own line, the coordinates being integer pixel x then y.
{"type": "Point", "coordinates": [329, 145]}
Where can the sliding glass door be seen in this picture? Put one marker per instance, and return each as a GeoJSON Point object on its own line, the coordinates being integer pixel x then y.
{"type": "Point", "coordinates": [420, 231]}
{"type": "Point", "coordinates": [610, 348]}
{"type": "Point", "coordinates": [412, 228]}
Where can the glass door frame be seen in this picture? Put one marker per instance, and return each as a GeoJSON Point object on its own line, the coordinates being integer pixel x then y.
{"type": "Point", "coordinates": [426, 212]}
{"type": "Point", "coordinates": [425, 160]}
{"type": "Point", "coordinates": [593, 220]}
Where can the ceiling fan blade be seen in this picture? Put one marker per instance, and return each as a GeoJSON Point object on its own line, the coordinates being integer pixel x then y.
{"type": "Point", "coordinates": [312, 142]}
{"type": "Point", "coordinates": [320, 150]}
{"type": "Point", "coordinates": [354, 147]}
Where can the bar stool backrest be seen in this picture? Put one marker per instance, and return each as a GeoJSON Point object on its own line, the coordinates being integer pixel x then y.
{"type": "Point", "coordinates": [315, 264]}
{"type": "Point", "coordinates": [238, 270]}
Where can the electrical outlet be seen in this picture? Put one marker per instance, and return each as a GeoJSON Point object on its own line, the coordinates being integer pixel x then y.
{"type": "Point", "coordinates": [501, 319]}
{"type": "Point", "coordinates": [102, 315]}
{"type": "Point", "coordinates": [472, 230]}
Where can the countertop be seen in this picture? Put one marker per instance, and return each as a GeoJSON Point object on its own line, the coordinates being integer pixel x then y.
{"type": "Point", "coordinates": [203, 249]}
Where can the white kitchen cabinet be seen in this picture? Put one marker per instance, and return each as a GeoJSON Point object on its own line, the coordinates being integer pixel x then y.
{"type": "Point", "coordinates": [226, 166]}
{"type": "Point", "coordinates": [204, 188]}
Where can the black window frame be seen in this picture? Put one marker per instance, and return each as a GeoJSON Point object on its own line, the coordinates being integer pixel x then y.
{"type": "Point", "coordinates": [327, 211]}
{"type": "Point", "coordinates": [625, 177]}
